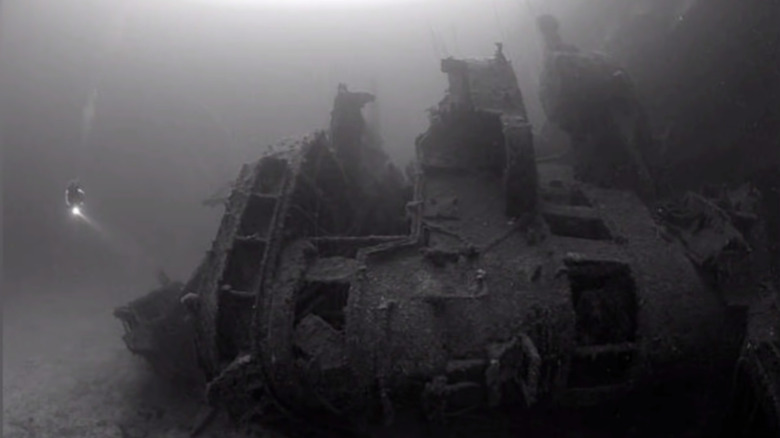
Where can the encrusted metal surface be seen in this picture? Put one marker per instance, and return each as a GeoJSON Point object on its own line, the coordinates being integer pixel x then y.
{"type": "Point", "coordinates": [509, 284]}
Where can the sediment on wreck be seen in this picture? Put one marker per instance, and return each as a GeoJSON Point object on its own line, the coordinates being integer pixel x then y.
{"type": "Point", "coordinates": [484, 107]}
{"type": "Point", "coordinates": [334, 192]}
{"type": "Point", "coordinates": [755, 404]}
{"type": "Point", "coordinates": [309, 195]}
{"type": "Point", "coordinates": [506, 288]}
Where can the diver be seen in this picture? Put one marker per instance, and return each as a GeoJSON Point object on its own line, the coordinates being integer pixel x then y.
{"type": "Point", "coordinates": [75, 197]}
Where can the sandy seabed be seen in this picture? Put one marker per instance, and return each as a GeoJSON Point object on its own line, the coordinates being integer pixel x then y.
{"type": "Point", "coordinates": [67, 373]}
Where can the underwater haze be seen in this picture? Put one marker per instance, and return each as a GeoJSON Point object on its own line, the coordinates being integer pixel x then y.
{"type": "Point", "coordinates": [153, 106]}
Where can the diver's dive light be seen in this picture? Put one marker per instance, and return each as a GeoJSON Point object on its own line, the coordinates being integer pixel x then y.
{"type": "Point", "coordinates": [74, 198]}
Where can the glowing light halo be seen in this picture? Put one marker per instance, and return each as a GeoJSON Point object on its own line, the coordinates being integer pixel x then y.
{"type": "Point", "coordinates": [76, 211]}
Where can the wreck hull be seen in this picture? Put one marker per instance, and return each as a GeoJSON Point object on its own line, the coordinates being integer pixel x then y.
{"type": "Point", "coordinates": [407, 320]}
{"type": "Point", "coordinates": [508, 285]}
{"type": "Point", "coordinates": [576, 300]}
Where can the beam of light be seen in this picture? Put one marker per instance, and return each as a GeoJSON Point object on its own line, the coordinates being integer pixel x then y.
{"type": "Point", "coordinates": [79, 215]}
{"type": "Point", "coordinates": [114, 242]}
{"type": "Point", "coordinates": [124, 247]}
{"type": "Point", "coordinates": [307, 4]}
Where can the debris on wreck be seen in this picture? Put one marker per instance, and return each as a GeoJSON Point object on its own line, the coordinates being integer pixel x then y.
{"type": "Point", "coordinates": [714, 237]}
{"type": "Point", "coordinates": [510, 285]}
{"type": "Point", "coordinates": [160, 329]}
{"type": "Point", "coordinates": [725, 236]}
{"type": "Point", "coordinates": [755, 402]}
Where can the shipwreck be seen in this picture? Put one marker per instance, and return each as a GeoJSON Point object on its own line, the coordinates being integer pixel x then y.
{"type": "Point", "coordinates": [343, 295]}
